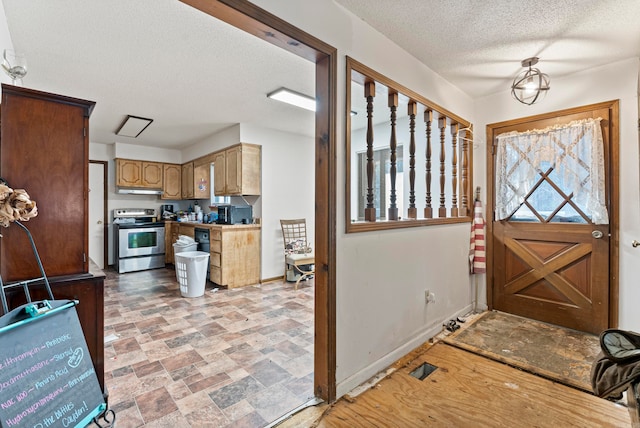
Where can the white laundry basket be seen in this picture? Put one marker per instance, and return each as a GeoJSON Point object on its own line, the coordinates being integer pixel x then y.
{"type": "Point", "coordinates": [191, 270]}
{"type": "Point", "coordinates": [183, 244]}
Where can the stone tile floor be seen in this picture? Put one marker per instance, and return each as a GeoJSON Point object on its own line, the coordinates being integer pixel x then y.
{"type": "Point", "coordinates": [231, 358]}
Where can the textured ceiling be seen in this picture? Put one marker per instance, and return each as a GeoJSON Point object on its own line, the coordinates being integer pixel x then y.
{"type": "Point", "coordinates": [195, 75]}
{"type": "Point", "coordinates": [160, 59]}
{"type": "Point", "coordinates": [478, 44]}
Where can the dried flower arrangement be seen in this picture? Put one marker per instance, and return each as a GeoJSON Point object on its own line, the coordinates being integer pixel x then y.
{"type": "Point", "coordinates": [15, 205]}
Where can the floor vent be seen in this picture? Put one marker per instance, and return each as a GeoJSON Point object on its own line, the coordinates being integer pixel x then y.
{"type": "Point", "coordinates": [422, 371]}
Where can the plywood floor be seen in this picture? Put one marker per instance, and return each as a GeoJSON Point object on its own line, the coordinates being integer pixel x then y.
{"type": "Point", "coordinates": [469, 390]}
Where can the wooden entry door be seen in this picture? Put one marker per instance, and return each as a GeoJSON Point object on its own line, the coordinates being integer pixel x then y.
{"type": "Point", "coordinates": [548, 261]}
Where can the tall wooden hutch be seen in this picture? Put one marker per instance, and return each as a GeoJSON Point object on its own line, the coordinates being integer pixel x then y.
{"type": "Point", "coordinates": [44, 149]}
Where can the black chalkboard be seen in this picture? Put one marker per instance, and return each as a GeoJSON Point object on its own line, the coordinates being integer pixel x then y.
{"type": "Point", "coordinates": [47, 378]}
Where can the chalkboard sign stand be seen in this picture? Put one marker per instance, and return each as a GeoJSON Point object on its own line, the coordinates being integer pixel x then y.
{"type": "Point", "coordinates": [25, 283]}
{"type": "Point", "coordinates": [47, 378]}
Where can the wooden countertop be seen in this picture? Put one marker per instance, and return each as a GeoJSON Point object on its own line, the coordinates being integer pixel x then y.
{"type": "Point", "coordinates": [215, 226]}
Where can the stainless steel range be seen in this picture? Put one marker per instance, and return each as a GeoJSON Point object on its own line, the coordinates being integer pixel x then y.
{"type": "Point", "coordinates": [138, 239]}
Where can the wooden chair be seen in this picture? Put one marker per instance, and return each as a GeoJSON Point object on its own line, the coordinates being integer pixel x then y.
{"type": "Point", "coordinates": [298, 255]}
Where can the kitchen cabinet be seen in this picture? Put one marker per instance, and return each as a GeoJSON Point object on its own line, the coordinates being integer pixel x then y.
{"type": "Point", "coordinates": [234, 251]}
{"type": "Point", "coordinates": [235, 255]}
{"type": "Point", "coordinates": [187, 230]}
{"type": "Point", "coordinates": [128, 173]}
{"type": "Point", "coordinates": [187, 180]}
{"type": "Point", "coordinates": [152, 175]}
{"type": "Point", "coordinates": [171, 233]}
{"type": "Point", "coordinates": [202, 181]}
{"type": "Point", "coordinates": [237, 170]}
{"type": "Point", "coordinates": [171, 181]}
{"type": "Point", "coordinates": [135, 173]}
{"type": "Point", "coordinates": [196, 179]}
{"type": "Point", "coordinates": [44, 149]}
{"type": "Point", "coordinates": [219, 171]}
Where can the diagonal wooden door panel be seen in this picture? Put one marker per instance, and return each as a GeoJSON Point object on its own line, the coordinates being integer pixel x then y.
{"type": "Point", "coordinates": [549, 269]}
{"type": "Point", "coordinates": [560, 273]}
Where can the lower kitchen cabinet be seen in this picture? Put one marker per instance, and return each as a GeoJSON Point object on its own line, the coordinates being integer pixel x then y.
{"type": "Point", "coordinates": [235, 255]}
{"type": "Point", "coordinates": [234, 251]}
{"type": "Point", "coordinates": [171, 233]}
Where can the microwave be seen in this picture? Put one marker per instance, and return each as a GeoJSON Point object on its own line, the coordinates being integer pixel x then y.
{"type": "Point", "coordinates": [231, 214]}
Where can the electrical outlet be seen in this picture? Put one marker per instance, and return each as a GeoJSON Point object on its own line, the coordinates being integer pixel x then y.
{"type": "Point", "coordinates": [429, 297]}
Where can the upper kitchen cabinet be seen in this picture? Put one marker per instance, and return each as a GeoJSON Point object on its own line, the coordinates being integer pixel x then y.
{"type": "Point", "coordinates": [135, 173]}
{"type": "Point", "coordinates": [187, 180]}
{"type": "Point", "coordinates": [237, 170]}
{"type": "Point", "coordinates": [152, 175]}
{"type": "Point", "coordinates": [219, 174]}
{"type": "Point", "coordinates": [35, 126]}
{"type": "Point", "coordinates": [202, 181]}
{"type": "Point", "coordinates": [171, 181]}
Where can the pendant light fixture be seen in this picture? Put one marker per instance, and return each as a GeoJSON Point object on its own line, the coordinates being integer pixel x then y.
{"type": "Point", "coordinates": [531, 85]}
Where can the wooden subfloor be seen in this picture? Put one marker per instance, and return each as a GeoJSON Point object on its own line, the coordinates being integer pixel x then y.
{"type": "Point", "coordinates": [468, 390]}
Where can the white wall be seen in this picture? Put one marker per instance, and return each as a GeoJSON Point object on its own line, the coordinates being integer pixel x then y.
{"type": "Point", "coordinates": [614, 81]}
{"type": "Point", "coordinates": [381, 276]}
{"type": "Point", "coordinates": [288, 180]}
{"type": "Point", "coordinates": [5, 42]}
{"type": "Point", "coordinates": [227, 137]}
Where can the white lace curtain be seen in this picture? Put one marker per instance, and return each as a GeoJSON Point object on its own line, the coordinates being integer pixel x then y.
{"type": "Point", "coordinates": [575, 150]}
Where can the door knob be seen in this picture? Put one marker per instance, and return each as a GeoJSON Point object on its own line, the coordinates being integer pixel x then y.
{"type": "Point", "coordinates": [635, 243]}
{"type": "Point", "coordinates": [99, 221]}
{"type": "Point", "coordinates": [596, 234]}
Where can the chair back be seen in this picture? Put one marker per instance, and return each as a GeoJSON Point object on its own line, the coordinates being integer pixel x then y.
{"type": "Point", "coordinates": [294, 233]}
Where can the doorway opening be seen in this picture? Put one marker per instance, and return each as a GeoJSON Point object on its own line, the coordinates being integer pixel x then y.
{"type": "Point", "coordinates": [254, 20]}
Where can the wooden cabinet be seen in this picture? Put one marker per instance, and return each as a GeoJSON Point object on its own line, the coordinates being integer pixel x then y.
{"type": "Point", "coordinates": [152, 175]}
{"type": "Point", "coordinates": [44, 149]}
{"type": "Point", "coordinates": [171, 181]}
{"type": "Point", "coordinates": [135, 173]}
{"type": "Point", "coordinates": [202, 181]}
{"type": "Point", "coordinates": [128, 173]}
{"type": "Point", "coordinates": [187, 180]}
{"type": "Point", "coordinates": [241, 173]}
{"type": "Point", "coordinates": [196, 179]}
{"type": "Point", "coordinates": [219, 174]}
{"type": "Point", "coordinates": [171, 233]}
{"type": "Point", "coordinates": [235, 251]}
{"type": "Point", "coordinates": [235, 255]}
{"type": "Point", "coordinates": [187, 230]}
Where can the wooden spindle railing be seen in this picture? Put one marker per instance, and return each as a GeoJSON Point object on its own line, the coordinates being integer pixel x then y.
{"type": "Point", "coordinates": [428, 210]}
{"type": "Point", "coordinates": [412, 109]}
{"type": "Point", "coordinates": [454, 170]}
{"type": "Point", "coordinates": [455, 157]}
{"type": "Point", "coordinates": [464, 209]}
{"type": "Point", "coordinates": [370, 93]}
{"type": "Point", "coordinates": [442, 124]}
{"type": "Point", "coordinates": [393, 145]}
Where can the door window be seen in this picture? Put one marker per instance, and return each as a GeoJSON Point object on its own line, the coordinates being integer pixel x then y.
{"type": "Point", "coordinates": [552, 175]}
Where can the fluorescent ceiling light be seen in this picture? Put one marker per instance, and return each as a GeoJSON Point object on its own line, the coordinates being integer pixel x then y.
{"type": "Point", "coordinates": [294, 98]}
{"type": "Point", "coordinates": [133, 126]}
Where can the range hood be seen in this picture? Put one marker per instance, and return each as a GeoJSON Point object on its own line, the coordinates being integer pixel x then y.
{"type": "Point", "coordinates": [137, 191]}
